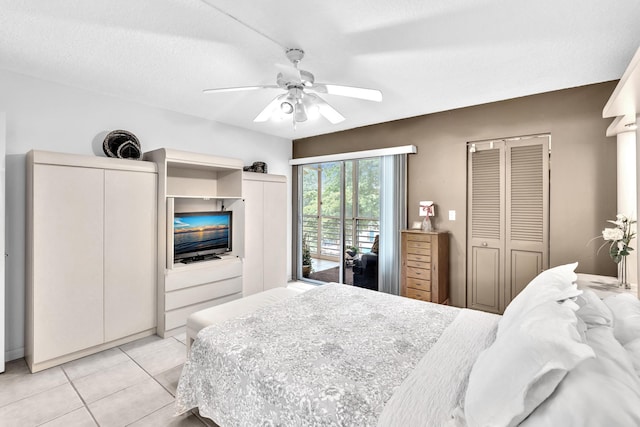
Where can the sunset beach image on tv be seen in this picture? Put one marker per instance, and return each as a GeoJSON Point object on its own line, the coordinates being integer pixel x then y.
{"type": "Point", "coordinates": [201, 233]}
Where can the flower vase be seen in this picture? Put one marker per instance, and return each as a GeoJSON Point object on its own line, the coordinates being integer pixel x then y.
{"type": "Point", "coordinates": [623, 282]}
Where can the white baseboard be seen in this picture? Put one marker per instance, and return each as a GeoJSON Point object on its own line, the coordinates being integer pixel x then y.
{"type": "Point", "coordinates": [17, 353]}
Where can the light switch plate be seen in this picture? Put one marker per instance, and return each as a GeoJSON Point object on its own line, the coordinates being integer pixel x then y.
{"type": "Point", "coordinates": [452, 215]}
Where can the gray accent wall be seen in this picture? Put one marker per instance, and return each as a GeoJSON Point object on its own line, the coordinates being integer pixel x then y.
{"type": "Point", "coordinates": [583, 167]}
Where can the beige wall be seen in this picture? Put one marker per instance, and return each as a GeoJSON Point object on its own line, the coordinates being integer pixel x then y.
{"type": "Point", "coordinates": [583, 167]}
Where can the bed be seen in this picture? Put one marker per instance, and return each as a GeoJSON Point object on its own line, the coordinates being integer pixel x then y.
{"type": "Point", "coordinates": [345, 356]}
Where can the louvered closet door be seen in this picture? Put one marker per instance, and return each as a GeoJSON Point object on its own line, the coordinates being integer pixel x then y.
{"type": "Point", "coordinates": [527, 185]}
{"type": "Point", "coordinates": [485, 254]}
{"type": "Point", "coordinates": [508, 228]}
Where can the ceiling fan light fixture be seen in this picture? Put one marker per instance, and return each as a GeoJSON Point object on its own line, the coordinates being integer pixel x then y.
{"type": "Point", "coordinates": [286, 107]}
{"type": "Point", "coordinates": [301, 101]}
{"type": "Point", "coordinates": [270, 110]}
{"type": "Point", "coordinates": [300, 112]}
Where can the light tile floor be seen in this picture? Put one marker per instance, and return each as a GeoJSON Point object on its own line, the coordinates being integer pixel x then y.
{"type": "Point", "coordinates": [130, 385]}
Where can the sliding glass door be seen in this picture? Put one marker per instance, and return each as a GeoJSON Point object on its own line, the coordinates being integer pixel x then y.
{"type": "Point", "coordinates": [340, 223]}
{"type": "Point", "coordinates": [363, 224]}
{"type": "Point", "coordinates": [351, 208]}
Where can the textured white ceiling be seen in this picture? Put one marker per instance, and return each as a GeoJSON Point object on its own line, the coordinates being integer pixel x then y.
{"type": "Point", "coordinates": [425, 56]}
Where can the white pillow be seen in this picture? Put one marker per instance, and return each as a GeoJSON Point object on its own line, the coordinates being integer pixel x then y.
{"type": "Point", "coordinates": [554, 284]}
{"type": "Point", "coordinates": [603, 391]}
{"type": "Point", "coordinates": [593, 311]}
{"type": "Point", "coordinates": [523, 366]}
{"type": "Point", "coordinates": [633, 349]}
{"type": "Point", "coordinates": [626, 317]}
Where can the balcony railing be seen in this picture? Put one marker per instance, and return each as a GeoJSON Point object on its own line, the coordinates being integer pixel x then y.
{"type": "Point", "coordinates": [323, 235]}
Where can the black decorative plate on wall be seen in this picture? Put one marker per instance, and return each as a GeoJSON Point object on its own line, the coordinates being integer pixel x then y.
{"type": "Point", "coordinates": [122, 144]}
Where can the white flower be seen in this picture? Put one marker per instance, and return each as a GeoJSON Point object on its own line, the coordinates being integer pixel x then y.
{"type": "Point", "coordinates": [612, 234]}
{"type": "Point", "coordinates": [620, 217]}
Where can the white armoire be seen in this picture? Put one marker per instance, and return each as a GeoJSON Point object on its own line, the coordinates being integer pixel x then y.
{"type": "Point", "coordinates": [91, 246]}
{"type": "Point", "coordinates": [265, 263]}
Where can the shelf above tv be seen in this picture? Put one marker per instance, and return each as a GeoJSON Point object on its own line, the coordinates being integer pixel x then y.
{"type": "Point", "coordinates": [185, 174]}
{"type": "Point", "coordinates": [187, 181]}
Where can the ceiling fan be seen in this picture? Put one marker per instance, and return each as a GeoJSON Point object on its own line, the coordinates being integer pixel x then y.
{"type": "Point", "coordinates": [301, 99]}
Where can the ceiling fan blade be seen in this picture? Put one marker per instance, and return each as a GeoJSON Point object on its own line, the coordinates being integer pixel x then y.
{"type": "Point", "coordinates": [326, 110]}
{"type": "Point", "coordinates": [240, 88]}
{"type": "Point", "coordinates": [269, 109]}
{"type": "Point", "coordinates": [350, 91]}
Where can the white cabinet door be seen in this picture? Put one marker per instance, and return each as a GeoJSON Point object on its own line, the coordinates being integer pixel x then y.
{"type": "Point", "coordinates": [67, 260]}
{"type": "Point", "coordinates": [265, 263]}
{"type": "Point", "coordinates": [130, 253]}
{"type": "Point", "coordinates": [275, 234]}
{"type": "Point", "coordinates": [253, 269]}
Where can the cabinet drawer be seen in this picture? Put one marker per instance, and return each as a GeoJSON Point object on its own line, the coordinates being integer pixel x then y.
{"type": "Point", "coordinates": [194, 275]}
{"type": "Point", "coordinates": [421, 295]}
{"type": "Point", "coordinates": [419, 273]}
{"type": "Point", "coordinates": [196, 294]}
{"type": "Point", "coordinates": [419, 251]}
{"type": "Point", "coordinates": [418, 237]}
{"type": "Point", "coordinates": [419, 264]}
{"type": "Point", "coordinates": [413, 244]}
{"type": "Point", "coordinates": [418, 284]}
{"type": "Point", "coordinates": [419, 257]}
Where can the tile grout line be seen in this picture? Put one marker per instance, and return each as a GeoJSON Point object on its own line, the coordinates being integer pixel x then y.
{"type": "Point", "coordinates": [66, 379]}
{"type": "Point", "coordinates": [33, 394]}
{"type": "Point", "coordinates": [93, 372]}
{"type": "Point", "coordinates": [130, 358]}
{"type": "Point", "coordinates": [147, 372]}
{"type": "Point", "coordinates": [154, 379]}
{"type": "Point", "coordinates": [84, 403]}
{"type": "Point", "coordinates": [116, 391]}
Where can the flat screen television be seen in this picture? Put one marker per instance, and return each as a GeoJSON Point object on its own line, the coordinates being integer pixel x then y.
{"type": "Point", "coordinates": [200, 236]}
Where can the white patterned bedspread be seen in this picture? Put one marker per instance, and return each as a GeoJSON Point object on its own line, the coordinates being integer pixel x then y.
{"type": "Point", "coordinates": [332, 356]}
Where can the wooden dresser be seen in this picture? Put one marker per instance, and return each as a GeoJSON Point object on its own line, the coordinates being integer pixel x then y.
{"type": "Point", "coordinates": [425, 266]}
